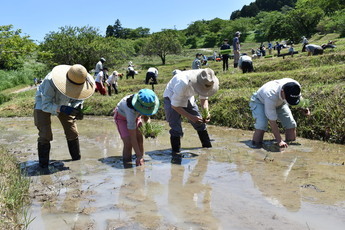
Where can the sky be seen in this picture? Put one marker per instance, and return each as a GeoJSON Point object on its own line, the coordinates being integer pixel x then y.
{"type": "Point", "coordinates": [36, 18]}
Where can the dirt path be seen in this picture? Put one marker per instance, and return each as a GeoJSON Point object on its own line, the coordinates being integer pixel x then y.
{"type": "Point", "coordinates": [25, 89]}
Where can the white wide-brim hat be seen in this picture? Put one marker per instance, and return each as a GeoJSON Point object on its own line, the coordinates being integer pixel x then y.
{"type": "Point", "coordinates": [73, 81]}
{"type": "Point", "coordinates": [205, 82]}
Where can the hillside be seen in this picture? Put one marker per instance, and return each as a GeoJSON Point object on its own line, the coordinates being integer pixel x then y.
{"type": "Point", "coordinates": [322, 79]}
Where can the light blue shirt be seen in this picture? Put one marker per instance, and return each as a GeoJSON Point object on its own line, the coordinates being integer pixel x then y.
{"type": "Point", "coordinates": [48, 98]}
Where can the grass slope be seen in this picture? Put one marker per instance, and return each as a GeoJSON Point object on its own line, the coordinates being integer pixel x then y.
{"type": "Point", "coordinates": [322, 79]}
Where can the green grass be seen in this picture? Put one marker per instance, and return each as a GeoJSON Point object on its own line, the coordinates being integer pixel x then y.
{"type": "Point", "coordinates": [322, 79]}
{"type": "Point", "coordinates": [13, 194]}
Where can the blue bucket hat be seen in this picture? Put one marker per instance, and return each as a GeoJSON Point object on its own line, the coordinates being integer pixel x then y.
{"type": "Point", "coordinates": [145, 102]}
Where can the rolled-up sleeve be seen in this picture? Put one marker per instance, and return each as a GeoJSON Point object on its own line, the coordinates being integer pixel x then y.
{"type": "Point", "coordinates": [48, 98]}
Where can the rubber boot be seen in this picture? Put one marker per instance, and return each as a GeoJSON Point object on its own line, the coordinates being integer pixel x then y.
{"type": "Point", "coordinates": [74, 150]}
{"type": "Point", "coordinates": [175, 149]}
{"type": "Point", "coordinates": [43, 154]}
{"type": "Point", "coordinates": [205, 139]}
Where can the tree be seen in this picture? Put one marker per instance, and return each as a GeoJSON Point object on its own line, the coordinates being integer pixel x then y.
{"type": "Point", "coordinates": [305, 19]}
{"type": "Point", "coordinates": [85, 46]}
{"type": "Point", "coordinates": [197, 28]}
{"type": "Point", "coordinates": [14, 48]}
{"type": "Point", "coordinates": [110, 31]}
{"type": "Point", "coordinates": [163, 43]}
{"type": "Point", "coordinates": [211, 40]}
{"type": "Point", "coordinates": [235, 14]}
{"type": "Point", "coordinates": [118, 30]}
{"type": "Point", "coordinates": [250, 11]}
{"type": "Point", "coordinates": [215, 25]}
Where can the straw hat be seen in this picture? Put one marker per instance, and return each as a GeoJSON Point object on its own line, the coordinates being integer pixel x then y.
{"type": "Point", "coordinates": [73, 81]}
{"type": "Point", "coordinates": [145, 102]}
{"type": "Point", "coordinates": [205, 83]}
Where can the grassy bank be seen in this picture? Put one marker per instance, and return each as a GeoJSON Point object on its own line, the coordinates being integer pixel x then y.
{"type": "Point", "coordinates": [13, 193]}
{"type": "Point", "coordinates": [322, 79]}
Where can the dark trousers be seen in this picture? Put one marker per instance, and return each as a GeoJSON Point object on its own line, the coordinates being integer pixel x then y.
{"type": "Point", "coordinates": [175, 121]}
{"type": "Point", "coordinates": [225, 62]}
{"type": "Point", "coordinates": [150, 76]}
{"type": "Point", "coordinates": [247, 66]}
{"type": "Point", "coordinates": [114, 87]}
{"type": "Point", "coordinates": [130, 74]}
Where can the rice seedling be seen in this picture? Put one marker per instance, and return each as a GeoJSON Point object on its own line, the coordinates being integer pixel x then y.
{"type": "Point", "coordinates": [149, 129]}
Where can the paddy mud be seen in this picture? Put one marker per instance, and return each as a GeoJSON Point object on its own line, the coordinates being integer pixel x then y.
{"type": "Point", "coordinates": [230, 186]}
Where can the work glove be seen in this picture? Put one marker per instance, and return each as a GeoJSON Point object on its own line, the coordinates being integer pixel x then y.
{"type": "Point", "coordinates": [69, 110]}
{"type": "Point", "coordinates": [80, 114]}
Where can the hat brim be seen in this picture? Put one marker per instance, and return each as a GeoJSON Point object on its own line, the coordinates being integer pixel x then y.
{"type": "Point", "coordinates": [69, 89]}
{"type": "Point", "coordinates": [203, 90]}
{"type": "Point", "coordinates": [144, 111]}
{"type": "Point", "coordinates": [293, 101]}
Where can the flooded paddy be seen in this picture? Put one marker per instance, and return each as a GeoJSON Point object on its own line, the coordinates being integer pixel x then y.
{"type": "Point", "coordinates": [230, 186]}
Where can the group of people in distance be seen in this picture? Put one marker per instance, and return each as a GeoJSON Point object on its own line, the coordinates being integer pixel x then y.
{"type": "Point", "coordinates": [64, 89]}
{"type": "Point", "coordinates": [244, 62]}
{"type": "Point", "coordinates": [102, 79]}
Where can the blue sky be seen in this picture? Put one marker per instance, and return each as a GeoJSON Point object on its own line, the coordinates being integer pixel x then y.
{"type": "Point", "coordinates": [36, 18]}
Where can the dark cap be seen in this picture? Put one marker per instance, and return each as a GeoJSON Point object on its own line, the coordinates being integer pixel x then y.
{"type": "Point", "coordinates": [292, 93]}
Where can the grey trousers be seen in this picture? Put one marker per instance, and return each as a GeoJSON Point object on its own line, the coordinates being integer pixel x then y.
{"type": "Point", "coordinates": [174, 118]}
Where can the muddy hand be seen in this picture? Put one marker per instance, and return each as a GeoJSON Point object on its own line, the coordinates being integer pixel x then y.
{"type": "Point", "coordinates": [282, 144]}
{"type": "Point", "coordinates": [197, 119]}
{"type": "Point", "coordinates": [139, 161]}
{"type": "Point", "coordinates": [307, 112]}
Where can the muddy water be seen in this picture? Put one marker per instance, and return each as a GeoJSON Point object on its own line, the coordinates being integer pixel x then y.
{"type": "Point", "coordinates": [230, 186]}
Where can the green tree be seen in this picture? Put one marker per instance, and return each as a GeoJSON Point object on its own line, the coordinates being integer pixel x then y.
{"type": "Point", "coordinates": [333, 24]}
{"type": "Point", "coordinates": [14, 48]}
{"type": "Point", "coordinates": [110, 31]}
{"type": "Point", "coordinates": [304, 19]}
{"type": "Point", "coordinates": [272, 26]}
{"type": "Point", "coordinates": [197, 28]}
{"type": "Point", "coordinates": [118, 29]}
{"type": "Point", "coordinates": [215, 25]}
{"type": "Point", "coordinates": [241, 24]}
{"type": "Point", "coordinates": [163, 43]}
{"type": "Point", "coordinates": [211, 40]}
{"type": "Point", "coordinates": [250, 11]}
{"type": "Point", "coordinates": [85, 46]}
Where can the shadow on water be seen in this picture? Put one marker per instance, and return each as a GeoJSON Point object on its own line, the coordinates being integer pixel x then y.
{"type": "Point", "coordinates": [31, 168]}
{"type": "Point", "coordinates": [162, 156]}
{"type": "Point", "coordinates": [268, 145]}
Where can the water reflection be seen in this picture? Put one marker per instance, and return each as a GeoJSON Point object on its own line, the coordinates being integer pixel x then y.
{"type": "Point", "coordinates": [230, 186]}
{"type": "Point", "coordinates": [189, 198]}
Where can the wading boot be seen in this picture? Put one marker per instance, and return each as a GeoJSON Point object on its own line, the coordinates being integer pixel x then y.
{"type": "Point", "coordinates": [205, 139]}
{"type": "Point", "coordinates": [176, 157]}
{"type": "Point", "coordinates": [74, 150]}
{"type": "Point", "coordinates": [43, 154]}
